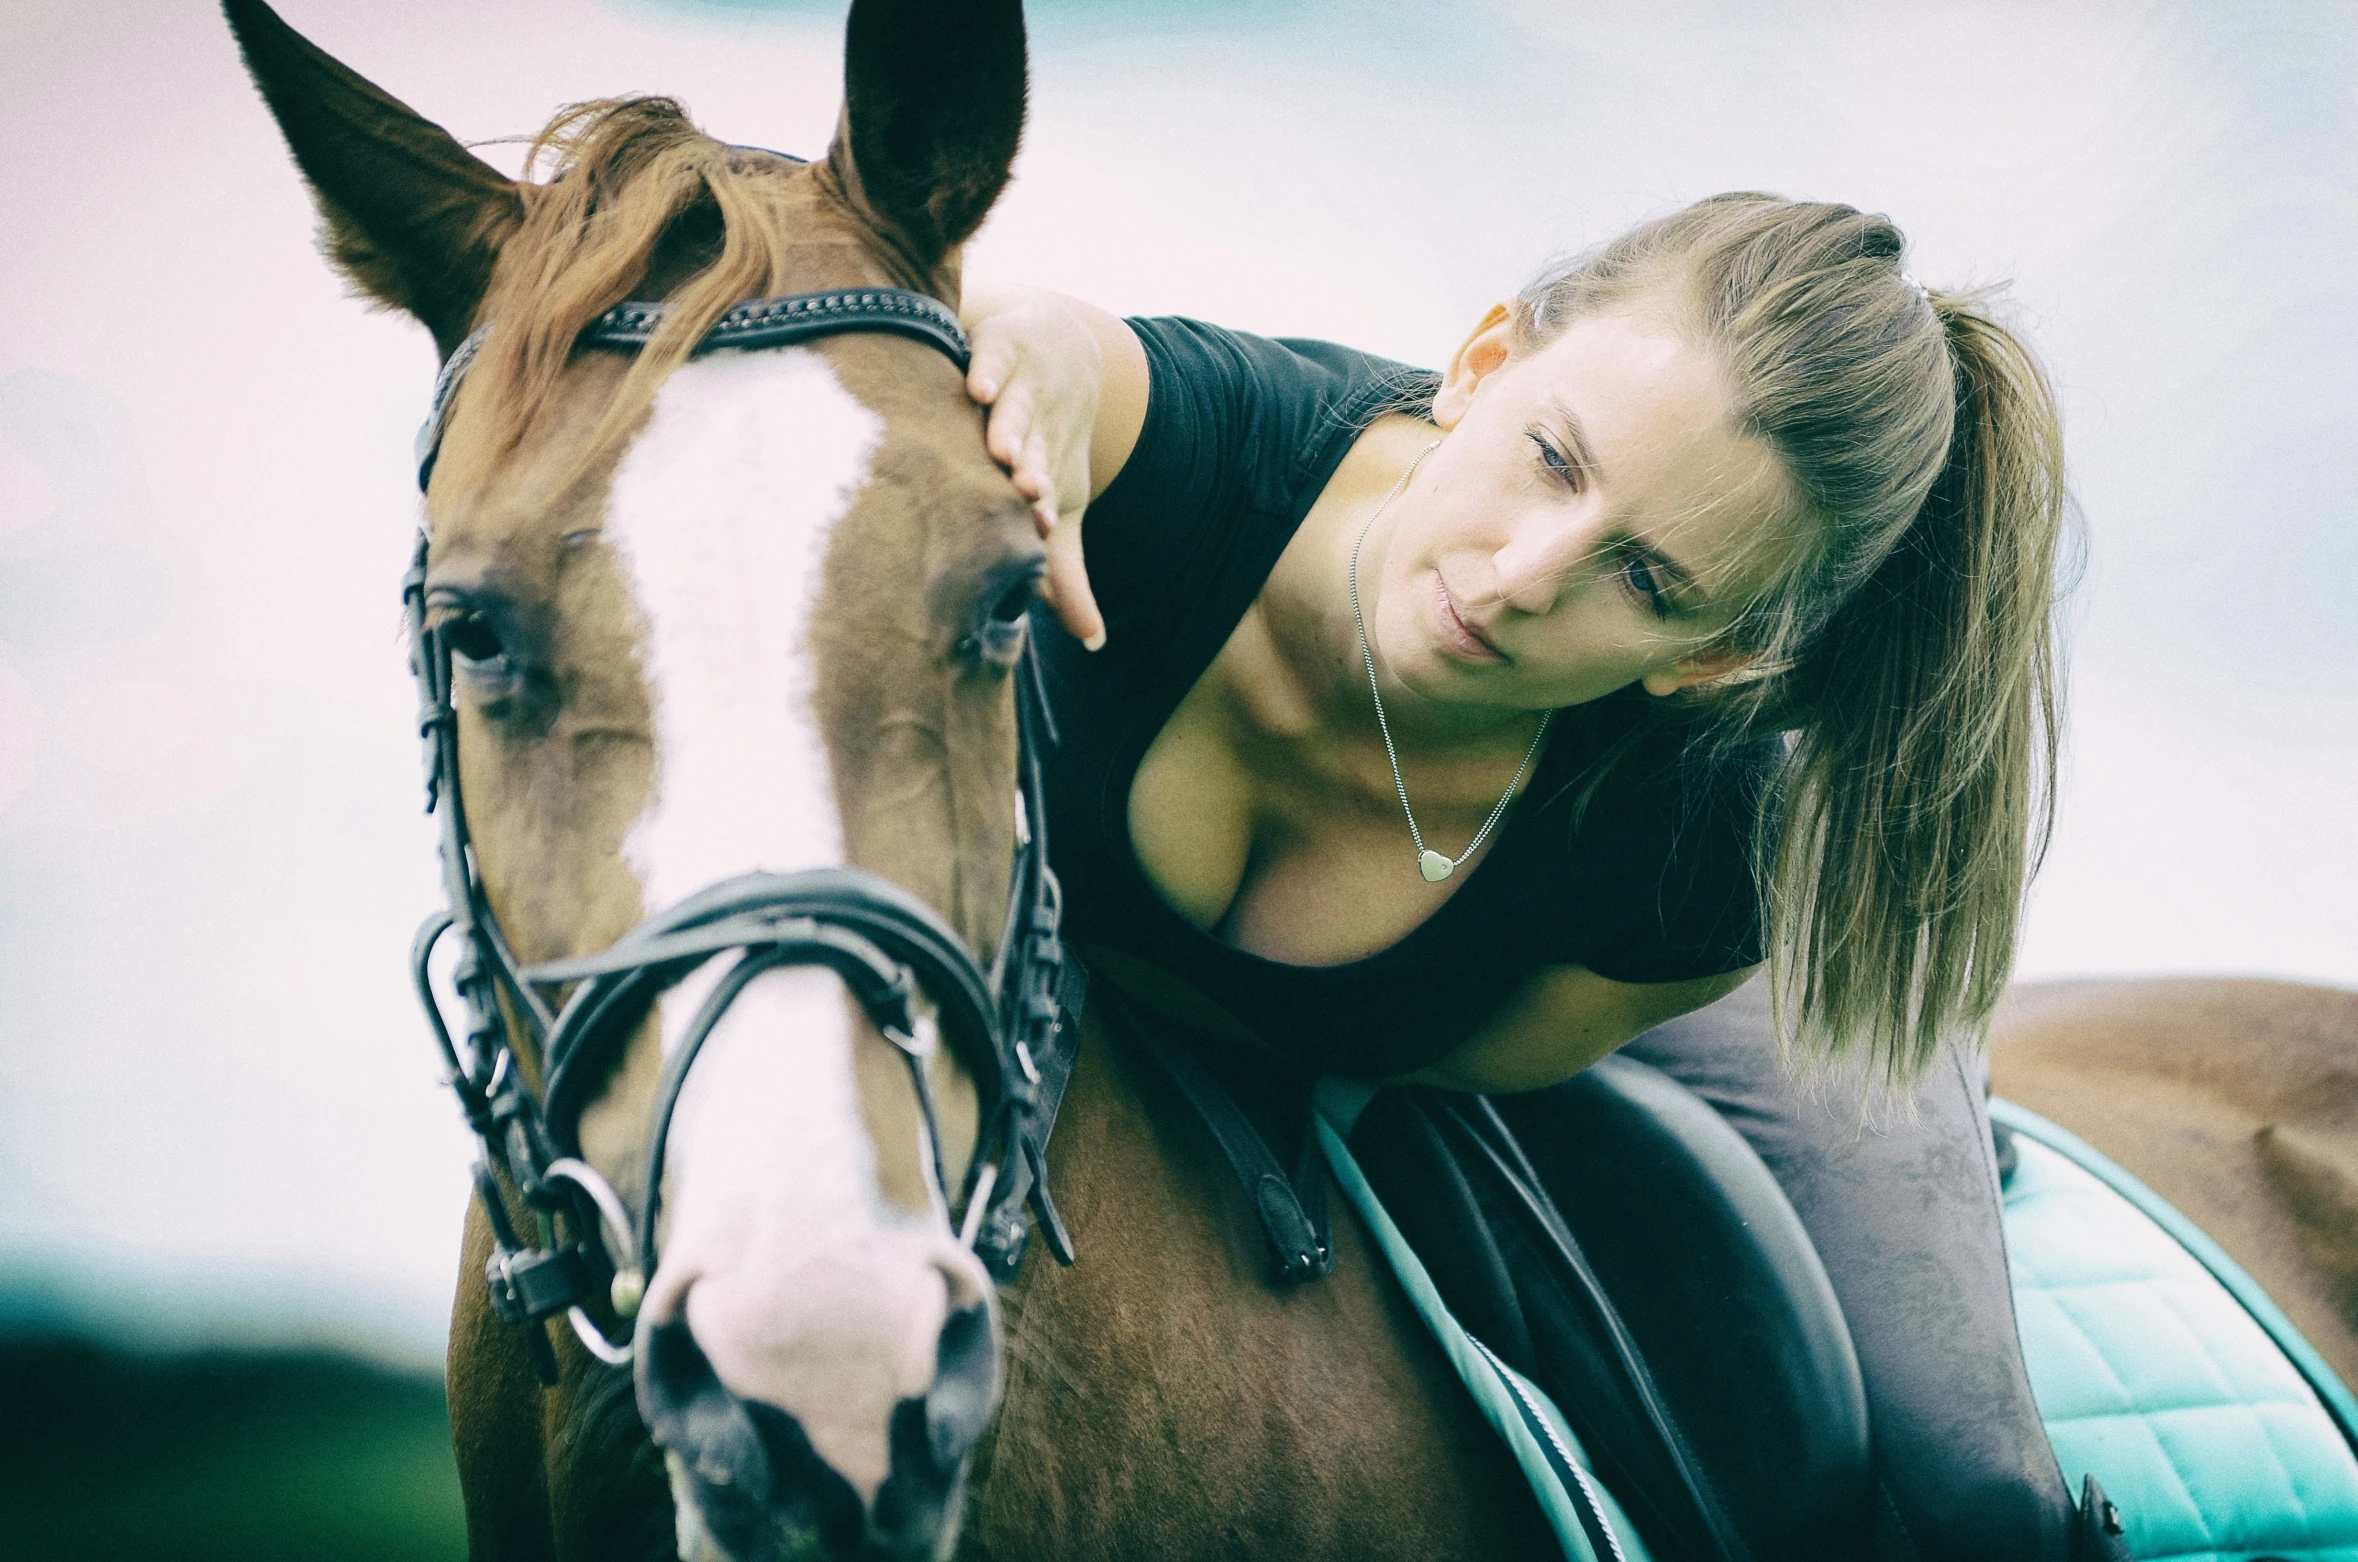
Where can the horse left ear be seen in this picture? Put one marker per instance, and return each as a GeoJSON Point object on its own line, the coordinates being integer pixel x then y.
{"type": "Point", "coordinates": [932, 111]}
{"type": "Point", "coordinates": [413, 218]}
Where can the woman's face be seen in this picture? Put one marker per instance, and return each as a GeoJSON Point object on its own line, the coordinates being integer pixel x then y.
{"type": "Point", "coordinates": [1590, 520]}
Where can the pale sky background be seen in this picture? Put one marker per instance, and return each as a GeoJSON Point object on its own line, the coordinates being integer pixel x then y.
{"type": "Point", "coordinates": [218, 1111]}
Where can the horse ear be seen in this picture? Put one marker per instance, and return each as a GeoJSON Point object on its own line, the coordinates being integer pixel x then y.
{"type": "Point", "coordinates": [932, 111]}
{"type": "Point", "coordinates": [413, 218]}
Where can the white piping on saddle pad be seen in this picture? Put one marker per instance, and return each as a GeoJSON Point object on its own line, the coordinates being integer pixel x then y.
{"type": "Point", "coordinates": [1510, 1402]}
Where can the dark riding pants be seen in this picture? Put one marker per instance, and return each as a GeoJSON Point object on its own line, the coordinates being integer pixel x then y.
{"type": "Point", "coordinates": [1905, 1216]}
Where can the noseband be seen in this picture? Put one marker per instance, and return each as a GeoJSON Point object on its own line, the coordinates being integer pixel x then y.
{"type": "Point", "coordinates": [891, 950]}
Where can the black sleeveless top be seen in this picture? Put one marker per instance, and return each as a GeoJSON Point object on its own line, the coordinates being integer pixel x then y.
{"type": "Point", "coordinates": [1643, 877]}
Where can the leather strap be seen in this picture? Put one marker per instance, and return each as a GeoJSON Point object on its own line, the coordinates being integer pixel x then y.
{"type": "Point", "coordinates": [800, 317]}
{"type": "Point", "coordinates": [760, 322]}
{"type": "Point", "coordinates": [2097, 1534]}
{"type": "Point", "coordinates": [1293, 1210]}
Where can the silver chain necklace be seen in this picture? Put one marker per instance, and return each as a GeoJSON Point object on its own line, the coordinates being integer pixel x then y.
{"type": "Point", "coordinates": [1430, 863]}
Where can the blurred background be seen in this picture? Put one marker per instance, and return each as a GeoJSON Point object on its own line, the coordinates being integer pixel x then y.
{"type": "Point", "coordinates": [230, 1187]}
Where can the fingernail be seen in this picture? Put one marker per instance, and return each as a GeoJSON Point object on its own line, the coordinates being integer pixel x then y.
{"type": "Point", "coordinates": [1095, 642]}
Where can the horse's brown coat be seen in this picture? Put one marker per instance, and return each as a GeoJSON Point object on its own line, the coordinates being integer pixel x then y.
{"type": "Point", "coordinates": [1166, 1399]}
{"type": "Point", "coordinates": [2236, 1100]}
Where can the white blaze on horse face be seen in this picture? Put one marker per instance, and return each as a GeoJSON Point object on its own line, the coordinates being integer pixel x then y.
{"type": "Point", "coordinates": [805, 1288]}
{"type": "Point", "coordinates": [721, 512]}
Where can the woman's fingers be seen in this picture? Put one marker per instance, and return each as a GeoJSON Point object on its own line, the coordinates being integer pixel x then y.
{"type": "Point", "coordinates": [1033, 479]}
{"type": "Point", "coordinates": [1009, 425]}
{"type": "Point", "coordinates": [1035, 421]}
{"type": "Point", "coordinates": [992, 365]}
{"type": "Point", "coordinates": [1068, 586]}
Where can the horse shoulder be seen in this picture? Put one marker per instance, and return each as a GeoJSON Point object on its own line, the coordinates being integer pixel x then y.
{"type": "Point", "coordinates": [1166, 1399]}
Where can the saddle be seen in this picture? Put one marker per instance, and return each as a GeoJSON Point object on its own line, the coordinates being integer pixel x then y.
{"type": "Point", "coordinates": [1669, 1300]}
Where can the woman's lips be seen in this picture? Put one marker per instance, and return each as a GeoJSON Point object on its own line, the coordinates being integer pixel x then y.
{"type": "Point", "coordinates": [1456, 633]}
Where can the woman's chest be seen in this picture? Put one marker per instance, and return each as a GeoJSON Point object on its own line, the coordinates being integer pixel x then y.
{"type": "Point", "coordinates": [1285, 843]}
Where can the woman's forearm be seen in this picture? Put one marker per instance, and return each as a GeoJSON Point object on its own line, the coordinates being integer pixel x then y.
{"type": "Point", "coordinates": [1565, 1018]}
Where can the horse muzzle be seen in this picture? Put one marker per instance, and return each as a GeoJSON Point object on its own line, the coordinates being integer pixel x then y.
{"type": "Point", "coordinates": [749, 1486]}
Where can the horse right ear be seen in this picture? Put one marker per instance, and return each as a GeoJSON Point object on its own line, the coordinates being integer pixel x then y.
{"type": "Point", "coordinates": [413, 218]}
{"type": "Point", "coordinates": [933, 96]}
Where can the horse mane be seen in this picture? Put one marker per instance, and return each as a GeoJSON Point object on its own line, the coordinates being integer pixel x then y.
{"type": "Point", "coordinates": [636, 195]}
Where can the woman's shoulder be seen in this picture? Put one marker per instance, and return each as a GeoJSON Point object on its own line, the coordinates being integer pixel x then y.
{"type": "Point", "coordinates": [1240, 434]}
{"type": "Point", "coordinates": [1289, 404]}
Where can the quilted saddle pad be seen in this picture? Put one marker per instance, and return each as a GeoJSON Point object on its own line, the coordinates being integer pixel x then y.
{"type": "Point", "coordinates": [2154, 1376]}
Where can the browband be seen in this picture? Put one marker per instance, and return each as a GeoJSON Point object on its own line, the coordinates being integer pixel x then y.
{"type": "Point", "coordinates": [760, 322]}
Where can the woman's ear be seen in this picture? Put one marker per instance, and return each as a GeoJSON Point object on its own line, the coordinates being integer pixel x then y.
{"type": "Point", "coordinates": [1703, 667]}
{"type": "Point", "coordinates": [1477, 357]}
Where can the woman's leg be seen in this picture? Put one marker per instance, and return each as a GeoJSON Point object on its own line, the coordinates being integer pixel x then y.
{"type": "Point", "coordinates": [1905, 1215]}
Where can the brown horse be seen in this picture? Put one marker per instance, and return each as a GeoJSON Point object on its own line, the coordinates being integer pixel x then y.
{"type": "Point", "coordinates": [2237, 1101]}
{"type": "Point", "coordinates": [718, 614]}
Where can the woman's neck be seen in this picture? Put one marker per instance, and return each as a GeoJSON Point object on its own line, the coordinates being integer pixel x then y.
{"type": "Point", "coordinates": [1309, 631]}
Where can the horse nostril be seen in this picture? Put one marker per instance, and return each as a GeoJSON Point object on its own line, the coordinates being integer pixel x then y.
{"type": "Point", "coordinates": [693, 1415]}
{"type": "Point", "coordinates": [965, 1386]}
{"type": "Point", "coordinates": [931, 1436]}
{"type": "Point", "coordinates": [747, 1471]}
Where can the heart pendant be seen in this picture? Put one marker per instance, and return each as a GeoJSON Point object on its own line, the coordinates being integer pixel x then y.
{"type": "Point", "coordinates": [1434, 866]}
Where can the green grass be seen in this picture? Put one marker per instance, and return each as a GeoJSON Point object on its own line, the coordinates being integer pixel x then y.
{"type": "Point", "coordinates": [107, 1454]}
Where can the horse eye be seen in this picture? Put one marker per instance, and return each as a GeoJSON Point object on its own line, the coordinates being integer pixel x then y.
{"type": "Point", "coordinates": [472, 639]}
{"type": "Point", "coordinates": [1013, 605]}
{"type": "Point", "coordinates": [998, 639]}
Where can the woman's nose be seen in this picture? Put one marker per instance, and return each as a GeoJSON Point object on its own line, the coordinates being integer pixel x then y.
{"type": "Point", "coordinates": [1538, 562]}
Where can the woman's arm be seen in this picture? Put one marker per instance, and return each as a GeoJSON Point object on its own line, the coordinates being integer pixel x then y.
{"type": "Point", "coordinates": [1066, 386]}
{"type": "Point", "coordinates": [1563, 1019]}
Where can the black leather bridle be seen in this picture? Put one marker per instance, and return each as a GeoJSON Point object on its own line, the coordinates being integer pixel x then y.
{"type": "Point", "coordinates": [892, 951]}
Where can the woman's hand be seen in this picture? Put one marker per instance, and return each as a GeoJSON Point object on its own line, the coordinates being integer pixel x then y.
{"type": "Point", "coordinates": [1038, 369]}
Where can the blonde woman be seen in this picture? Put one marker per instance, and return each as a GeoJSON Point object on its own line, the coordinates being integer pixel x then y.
{"type": "Point", "coordinates": [1464, 728]}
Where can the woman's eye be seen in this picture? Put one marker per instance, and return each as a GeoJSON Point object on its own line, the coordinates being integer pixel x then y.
{"type": "Point", "coordinates": [1646, 583]}
{"type": "Point", "coordinates": [1557, 463]}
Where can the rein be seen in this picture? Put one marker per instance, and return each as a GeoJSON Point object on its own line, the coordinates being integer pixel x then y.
{"type": "Point", "coordinates": [1003, 1020]}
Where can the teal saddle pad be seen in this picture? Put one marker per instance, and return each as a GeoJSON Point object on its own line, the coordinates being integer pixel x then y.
{"type": "Point", "coordinates": [2161, 1369]}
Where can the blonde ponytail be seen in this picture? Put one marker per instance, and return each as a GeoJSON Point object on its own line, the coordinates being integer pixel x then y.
{"type": "Point", "coordinates": [1906, 656]}
{"type": "Point", "coordinates": [1919, 787]}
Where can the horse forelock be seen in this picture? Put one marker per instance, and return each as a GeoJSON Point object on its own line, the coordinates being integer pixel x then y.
{"type": "Point", "coordinates": [637, 204]}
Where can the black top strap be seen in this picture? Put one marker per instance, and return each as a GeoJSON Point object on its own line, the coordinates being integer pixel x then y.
{"type": "Point", "coordinates": [761, 322]}
{"type": "Point", "coordinates": [1293, 1209]}
{"type": "Point", "coordinates": [799, 317]}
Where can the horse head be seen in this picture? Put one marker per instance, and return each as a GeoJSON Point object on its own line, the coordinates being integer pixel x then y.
{"type": "Point", "coordinates": [715, 614]}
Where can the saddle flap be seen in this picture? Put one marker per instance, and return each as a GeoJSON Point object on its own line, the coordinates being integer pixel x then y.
{"type": "Point", "coordinates": [1617, 1242]}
